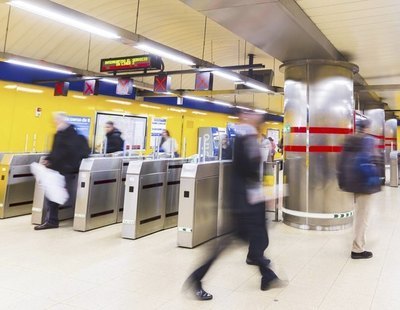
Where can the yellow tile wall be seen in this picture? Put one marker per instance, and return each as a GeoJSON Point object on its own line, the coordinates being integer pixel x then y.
{"type": "Point", "coordinates": [21, 130]}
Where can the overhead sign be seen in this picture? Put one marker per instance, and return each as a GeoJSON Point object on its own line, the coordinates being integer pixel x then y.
{"type": "Point", "coordinates": [81, 123]}
{"type": "Point", "coordinates": [162, 83]}
{"type": "Point", "coordinates": [131, 63]}
{"type": "Point", "coordinates": [91, 87]}
{"type": "Point", "coordinates": [204, 81]}
{"type": "Point", "coordinates": [61, 89]}
{"type": "Point", "coordinates": [124, 87]}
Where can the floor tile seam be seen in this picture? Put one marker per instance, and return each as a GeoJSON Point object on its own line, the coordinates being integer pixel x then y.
{"type": "Point", "coordinates": [395, 227]}
{"type": "Point", "coordinates": [333, 283]}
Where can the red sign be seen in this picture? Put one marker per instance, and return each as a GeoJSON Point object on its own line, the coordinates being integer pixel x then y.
{"type": "Point", "coordinates": [61, 89]}
{"type": "Point", "coordinates": [204, 81]}
{"type": "Point", "coordinates": [91, 88]}
{"type": "Point", "coordinates": [162, 83]}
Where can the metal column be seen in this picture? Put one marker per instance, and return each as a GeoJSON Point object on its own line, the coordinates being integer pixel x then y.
{"type": "Point", "coordinates": [319, 112]}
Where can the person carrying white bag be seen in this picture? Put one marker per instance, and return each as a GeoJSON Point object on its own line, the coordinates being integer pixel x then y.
{"type": "Point", "coordinates": [59, 174]}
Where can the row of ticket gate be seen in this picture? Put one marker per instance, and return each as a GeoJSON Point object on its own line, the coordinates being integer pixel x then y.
{"type": "Point", "coordinates": [145, 195]}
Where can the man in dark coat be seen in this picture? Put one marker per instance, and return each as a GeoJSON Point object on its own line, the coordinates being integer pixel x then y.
{"type": "Point", "coordinates": [65, 157]}
{"type": "Point", "coordinates": [114, 141]}
{"type": "Point", "coordinates": [247, 209]}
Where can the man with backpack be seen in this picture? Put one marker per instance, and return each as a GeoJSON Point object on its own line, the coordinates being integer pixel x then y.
{"type": "Point", "coordinates": [358, 174]}
{"type": "Point", "coordinates": [69, 148]}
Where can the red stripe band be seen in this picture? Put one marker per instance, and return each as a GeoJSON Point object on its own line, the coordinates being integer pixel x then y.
{"type": "Point", "coordinates": [322, 130]}
{"type": "Point", "coordinates": [295, 148]}
{"type": "Point", "coordinates": [314, 148]}
{"type": "Point", "coordinates": [391, 139]}
{"type": "Point", "coordinates": [376, 136]}
{"type": "Point", "coordinates": [298, 129]}
{"type": "Point", "coordinates": [380, 146]}
{"type": "Point", "coordinates": [394, 144]}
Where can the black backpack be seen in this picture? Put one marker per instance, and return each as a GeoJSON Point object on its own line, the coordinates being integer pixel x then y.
{"type": "Point", "coordinates": [83, 146]}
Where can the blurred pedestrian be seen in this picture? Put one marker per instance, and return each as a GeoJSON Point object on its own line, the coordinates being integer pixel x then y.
{"type": "Point", "coordinates": [273, 148]}
{"type": "Point", "coordinates": [358, 174]}
{"type": "Point", "coordinates": [226, 149]}
{"type": "Point", "coordinates": [247, 209]}
{"type": "Point", "coordinates": [168, 145]}
{"type": "Point", "coordinates": [68, 150]}
{"type": "Point", "coordinates": [114, 142]}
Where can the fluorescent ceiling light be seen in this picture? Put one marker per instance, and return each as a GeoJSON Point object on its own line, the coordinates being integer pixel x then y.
{"type": "Point", "coordinates": [258, 87]}
{"type": "Point", "coordinates": [242, 107]}
{"type": "Point", "coordinates": [260, 111]}
{"type": "Point", "coordinates": [233, 117]}
{"type": "Point", "coordinates": [162, 53]}
{"type": "Point", "coordinates": [13, 86]}
{"type": "Point", "coordinates": [111, 81]}
{"type": "Point", "coordinates": [225, 104]}
{"type": "Point", "coordinates": [24, 89]}
{"type": "Point", "coordinates": [79, 97]}
{"type": "Point", "coordinates": [199, 113]}
{"type": "Point", "coordinates": [177, 110]}
{"type": "Point", "coordinates": [40, 67]}
{"type": "Point", "coordinates": [149, 106]}
{"type": "Point", "coordinates": [226, 75]}
{"type": "Point", "coordinates": [64, 19]}
{"type": "Point", "coordinates": [120, 102]}
{"type": "Point", "coordinates": [195, 98]}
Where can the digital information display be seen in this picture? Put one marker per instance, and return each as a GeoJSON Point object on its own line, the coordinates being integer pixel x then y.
{"type": "Point", "coordinates": [131, 63]}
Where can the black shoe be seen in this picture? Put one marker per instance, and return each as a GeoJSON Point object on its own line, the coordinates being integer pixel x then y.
{"type": "Point", "coordinates": [270, 284]}
{"type": "Point", "coordinates": [202, 295]}
{"type": "Point", "coordinates": [45, 226]}
{"type": "Point", "coordinates": [258, 262]}
{"type": "Point", "coordinates": [362, 255]}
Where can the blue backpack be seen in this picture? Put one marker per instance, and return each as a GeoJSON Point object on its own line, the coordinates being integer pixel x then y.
{"type": "Point", "coordinates": [357, 172]}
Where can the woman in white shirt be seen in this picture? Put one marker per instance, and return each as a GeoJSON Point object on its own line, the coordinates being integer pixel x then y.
{"type": "Point", "coordinates": [168, 145]}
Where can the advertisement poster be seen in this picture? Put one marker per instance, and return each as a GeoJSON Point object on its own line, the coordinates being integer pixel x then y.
{"type": "Point", "coordinates": [157, 127]}
{"type": "Point", "coordinates": [82, 124]}
{"type": "Point", "coordinates": [133, 129]}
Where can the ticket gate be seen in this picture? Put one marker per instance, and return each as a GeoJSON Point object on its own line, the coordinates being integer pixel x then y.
{"type": "Point", "coordinates": [224, 198]}
{"type": "Point", "coordinates": [65, 212]}
{"type": "Point", "coordinates": [17, 184]}
{"type": "Point", "coordinates": [173, 184]}
{"type": "Point", "coordinates": [145, 198]}
{"type": "Point", "coordinates": [97, 193]}
{"type": "Point", "coordinates": [198, 203]}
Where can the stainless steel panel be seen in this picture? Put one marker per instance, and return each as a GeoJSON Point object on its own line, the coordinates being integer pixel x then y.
{"type": "Point", "coordinates": [198, 204]}
{"type": "Point", "coordinates": [390, 138]}
{"type": "Point", "coordinates": [97, 194]}
{"type": "Point", "coordinates": [145, 197]}
{"type": "Point", "coordinates": [16, 184]}
{"type": "Point", "coordinates": [224, 198]}
{"type": "Point", "coordinates": [173, 184]}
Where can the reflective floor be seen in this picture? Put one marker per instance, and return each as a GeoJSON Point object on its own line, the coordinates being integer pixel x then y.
{"type": "Point", "coordinates": [64, 269]}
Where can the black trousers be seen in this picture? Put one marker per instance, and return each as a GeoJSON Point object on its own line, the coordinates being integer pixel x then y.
{"type": "Point", "coordinates": [249, 226]}
{"type": "Point", "coordinates": [51, 208]}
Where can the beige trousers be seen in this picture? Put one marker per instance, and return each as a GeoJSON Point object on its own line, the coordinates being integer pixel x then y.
{"type": "Point", "coordinates": [361, 220]}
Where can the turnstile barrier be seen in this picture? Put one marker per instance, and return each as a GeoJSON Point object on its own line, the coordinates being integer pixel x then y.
{"type": "Point", "coordinates": [17, 184]}
{"type": "Point", "coordinates": [145, 198]}
{"type": "Point", "coordinates": [198, 203]}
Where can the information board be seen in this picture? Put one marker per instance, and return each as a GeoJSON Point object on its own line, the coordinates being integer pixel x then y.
{"type": "Point", "coordinates": [157, 127]}
{"type": "Point", "coordinates": [133, 129]}
{"type": "Point", "coordinates": [131, 63]}
{"type": "Point", "coordinates": [81, 123]}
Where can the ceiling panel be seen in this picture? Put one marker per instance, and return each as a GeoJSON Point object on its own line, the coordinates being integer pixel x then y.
{"type": "Point", "coordinates": [367, 31]}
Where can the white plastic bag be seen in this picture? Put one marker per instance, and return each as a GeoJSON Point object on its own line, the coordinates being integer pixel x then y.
{"type": "Point", "coordinates": [52, 182]}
